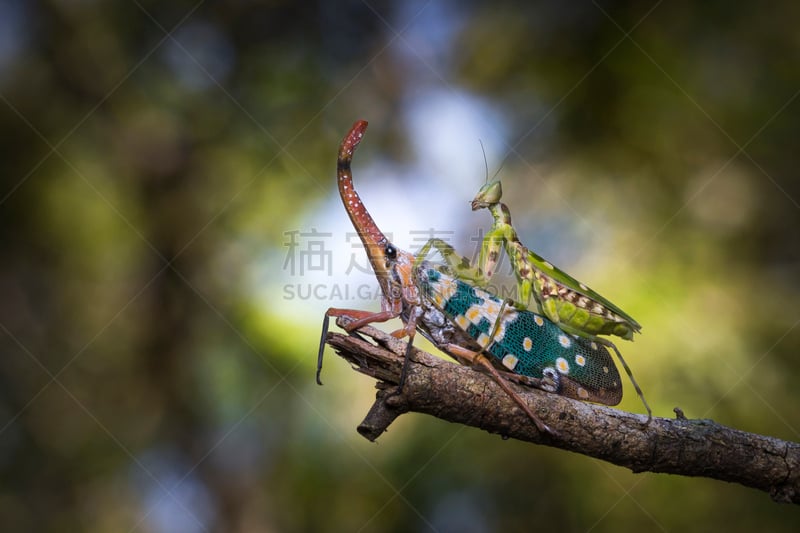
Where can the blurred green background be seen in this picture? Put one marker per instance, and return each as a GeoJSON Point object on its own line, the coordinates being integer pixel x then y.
{"type": "Point", "coordinates": [171, 237]}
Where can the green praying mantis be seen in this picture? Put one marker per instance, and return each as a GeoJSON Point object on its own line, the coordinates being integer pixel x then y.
{"type": "Point", "coordinates": [567, 302]}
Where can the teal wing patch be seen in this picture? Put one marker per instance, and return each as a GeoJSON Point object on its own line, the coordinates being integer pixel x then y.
{"type": "Point", "coordinates": [526, 343]}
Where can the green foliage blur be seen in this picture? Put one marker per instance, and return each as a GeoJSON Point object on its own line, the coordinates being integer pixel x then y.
{"type": "Point", "coordinates": [171, 235]}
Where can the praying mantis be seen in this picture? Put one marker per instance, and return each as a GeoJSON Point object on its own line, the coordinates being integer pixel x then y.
{"type": "Point", "coordinates": [565, 301]}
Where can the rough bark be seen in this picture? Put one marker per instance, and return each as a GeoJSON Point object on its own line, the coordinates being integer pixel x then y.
{"type": "Point", "coordinates": [461, 395]}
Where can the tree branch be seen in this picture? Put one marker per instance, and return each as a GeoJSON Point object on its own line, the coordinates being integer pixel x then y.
{"type": "Point", "coordinates": [459, 394]}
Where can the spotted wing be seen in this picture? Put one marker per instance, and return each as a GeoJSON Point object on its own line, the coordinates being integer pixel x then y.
{"type": "Point", "coordinates": [526, 343]}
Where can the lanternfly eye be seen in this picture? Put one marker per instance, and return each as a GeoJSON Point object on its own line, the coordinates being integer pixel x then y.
{"type": "Point", "coordinates": [391, 251]}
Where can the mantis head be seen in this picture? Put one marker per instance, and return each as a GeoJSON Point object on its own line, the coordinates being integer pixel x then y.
{"type": "Point", "coordinates": [490, 194]}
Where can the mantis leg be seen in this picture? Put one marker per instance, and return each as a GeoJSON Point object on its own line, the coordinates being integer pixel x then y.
{"type": "Point", "coordinates": [458, 264]}
{"type": "Point", "coordinates": [491, 247]}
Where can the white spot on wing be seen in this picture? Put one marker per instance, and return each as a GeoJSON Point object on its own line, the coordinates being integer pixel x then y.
{"type": "Point", "coordinates": [527, 344]}
{"type": "Point", "coordinates": [483, 340]}
{"type": "Point", "coordinates": [510, 362]}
